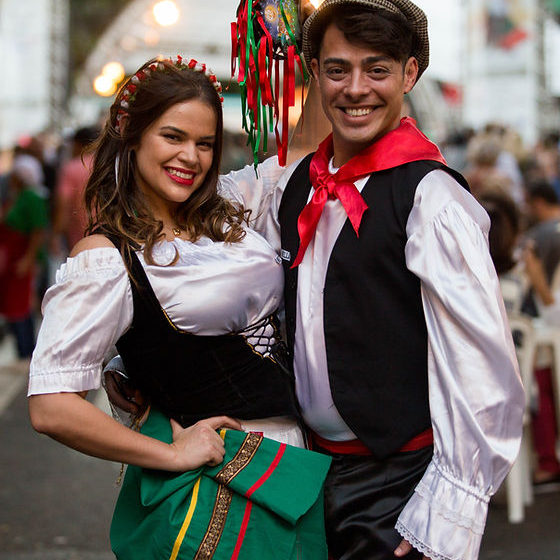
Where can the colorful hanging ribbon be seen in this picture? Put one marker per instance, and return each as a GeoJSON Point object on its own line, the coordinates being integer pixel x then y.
{"type": "Point", "coordinates": [255, 55]}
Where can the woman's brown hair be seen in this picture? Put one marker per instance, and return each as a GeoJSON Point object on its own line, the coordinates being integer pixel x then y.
{"type": "Point", "coordinates": [115, 206]}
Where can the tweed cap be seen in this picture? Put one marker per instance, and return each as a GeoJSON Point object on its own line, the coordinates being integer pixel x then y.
{"type": "Point", "coordinates": [411, 12]}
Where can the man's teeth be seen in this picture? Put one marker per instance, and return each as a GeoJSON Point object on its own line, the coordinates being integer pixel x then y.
{"type": "Point", "coordinates": [358, 112]}
{"type": "Point", "coordinates": [181, 174]}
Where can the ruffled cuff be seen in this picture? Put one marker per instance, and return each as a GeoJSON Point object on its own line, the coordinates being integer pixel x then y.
{"type": "Point", "coordinates": [445, 518]}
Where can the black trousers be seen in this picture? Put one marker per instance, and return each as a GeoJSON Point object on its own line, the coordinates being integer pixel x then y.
{"type": "Point", "coordinates": [363, 499]}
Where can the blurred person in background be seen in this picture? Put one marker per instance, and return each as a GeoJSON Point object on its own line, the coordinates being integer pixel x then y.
{"type": "Point", "coordinates": [543, 211]}
{"type": "Point", "coordinates": [519, 264]}
{"type": "Point", "coordinates": [69, 213]}
{"type": "Point", "coordinates": [511, 152]}
{"type": "Point", "coordinates": [24, 219]}
{"type": "Point", "coordinates": [547, 157]}
{"type": "Point", "coordinates": [39, 147]}
{"type": "Point", "coordinates": [543, 242]}
{"type": "Point", "coordinates": [482, 171]}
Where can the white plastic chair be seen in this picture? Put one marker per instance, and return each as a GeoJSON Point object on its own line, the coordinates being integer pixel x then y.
{"type": "Point", "coordinates": [519, 486]}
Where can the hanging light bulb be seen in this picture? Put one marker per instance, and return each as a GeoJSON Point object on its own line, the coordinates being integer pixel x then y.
{"type": "Point", "coordinates": [114, 71]}
{"type": "Point", "coordinates": [166, 13]}
{"type": "Point", "coordinates": [104, 86]}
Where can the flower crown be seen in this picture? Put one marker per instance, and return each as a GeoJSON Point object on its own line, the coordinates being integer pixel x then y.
{"type": "Point", "coordinates": [128, 94]}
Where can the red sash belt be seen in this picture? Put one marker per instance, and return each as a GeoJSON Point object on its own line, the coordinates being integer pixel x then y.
{"type": "Point", "coordinates": [356, 447]}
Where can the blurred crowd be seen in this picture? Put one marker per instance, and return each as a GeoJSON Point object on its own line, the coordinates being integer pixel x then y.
{"type": "Point", "coordinates": [42, 216]}
{"type": "Point", "coordinates": [520, 190]}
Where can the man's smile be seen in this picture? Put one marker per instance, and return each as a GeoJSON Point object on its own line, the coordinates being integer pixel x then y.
{"type": "Point", "coordinates": [357, 111]}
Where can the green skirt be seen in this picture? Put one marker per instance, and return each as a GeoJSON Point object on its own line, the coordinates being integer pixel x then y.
{"type": "Point", "coordinates": [264, 501]}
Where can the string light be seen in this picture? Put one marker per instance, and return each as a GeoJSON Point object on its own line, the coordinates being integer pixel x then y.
{"type": "Point", "coordinates": [166, 13]}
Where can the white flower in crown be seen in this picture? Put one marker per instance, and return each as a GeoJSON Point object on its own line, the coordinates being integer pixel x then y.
{"type": "Point", "coordinates": [124, 104]}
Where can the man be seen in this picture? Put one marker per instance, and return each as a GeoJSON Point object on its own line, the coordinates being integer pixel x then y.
{"type": "Point", "coordinates": [544, 208]}
{"type": "Point", "coordinates": [542, 255]}
{"type": "Point", "coordinates": [394, 314]}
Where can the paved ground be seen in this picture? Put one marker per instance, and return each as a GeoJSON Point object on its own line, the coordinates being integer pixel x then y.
{"type": "Point", "coordinates": [56, 504]}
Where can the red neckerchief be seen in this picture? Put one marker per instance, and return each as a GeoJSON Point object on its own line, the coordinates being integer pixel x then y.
{"type": "Point", "coordinates": [402, 145]}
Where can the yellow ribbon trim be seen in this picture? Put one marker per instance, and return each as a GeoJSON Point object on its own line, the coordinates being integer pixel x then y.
{"type": "Point", "coordinates": [186, 522]}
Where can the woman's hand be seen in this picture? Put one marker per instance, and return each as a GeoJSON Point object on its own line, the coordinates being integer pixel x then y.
{"type": "Point", "coordinates": [200, 444]}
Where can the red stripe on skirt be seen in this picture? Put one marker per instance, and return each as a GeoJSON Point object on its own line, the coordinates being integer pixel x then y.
{"type": "Point", "coordinates": [242, 530]}
{"type": "Point", "coordinates": [268, 472]}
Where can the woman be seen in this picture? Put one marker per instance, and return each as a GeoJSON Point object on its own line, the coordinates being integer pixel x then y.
{"type": "Point", "coordinates": [172, 275]}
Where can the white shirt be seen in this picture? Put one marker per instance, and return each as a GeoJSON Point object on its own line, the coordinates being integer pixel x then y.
{"type": "Point", "coordinates": [475, 392]}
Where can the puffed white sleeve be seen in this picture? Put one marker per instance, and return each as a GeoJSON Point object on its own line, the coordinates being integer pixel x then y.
{"type": "Point", "coordinates": [257, 191]}
{"type": "Point", "coordinates": [84, 314]}
{"type": "Point", "coordinates": [475, 391]}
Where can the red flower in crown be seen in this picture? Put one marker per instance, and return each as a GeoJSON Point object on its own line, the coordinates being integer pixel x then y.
{"type": "Point", "coordinates": [192, 63]}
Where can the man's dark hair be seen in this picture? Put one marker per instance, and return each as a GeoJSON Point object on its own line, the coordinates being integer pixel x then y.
{"type": "Point", "coordinates": [383, 31]}
{"type": "Point", "coordinates": [544, 191]}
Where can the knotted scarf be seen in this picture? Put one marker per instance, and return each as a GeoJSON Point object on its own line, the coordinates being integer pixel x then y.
{"type": "Point", "coordinates": [399, 146]}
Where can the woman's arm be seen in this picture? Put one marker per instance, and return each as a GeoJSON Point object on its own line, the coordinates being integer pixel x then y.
{"type": "Point", "coordinates": [85, 313]}
{"type": "Point", "coordinates": [75, 422]}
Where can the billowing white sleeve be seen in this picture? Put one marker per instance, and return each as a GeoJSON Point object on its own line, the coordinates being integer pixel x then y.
{"type": "Point", "coordinates": [253, 189]}
{"type": "Point", "coordinates": [475, 391]}
{"type": "Point", "coordinates": [259, 192]}
{"type": "Point", "coordinates": [84, 314]}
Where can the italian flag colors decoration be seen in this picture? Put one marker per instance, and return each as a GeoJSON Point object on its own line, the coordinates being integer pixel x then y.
{"type": "Point", "coordinates": [266, 39]}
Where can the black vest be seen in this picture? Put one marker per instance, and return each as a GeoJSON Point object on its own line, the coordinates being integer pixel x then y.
{"type": "Point", "coordinates": [190, 377]}
{"type": "Point", "coordinates": [375, 331]}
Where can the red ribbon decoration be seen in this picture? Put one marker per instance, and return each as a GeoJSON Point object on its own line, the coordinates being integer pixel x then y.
{"type": "Point", "coordinates": [399, 146]}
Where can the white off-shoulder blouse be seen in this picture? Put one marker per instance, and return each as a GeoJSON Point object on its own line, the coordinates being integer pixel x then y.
{"type": "Point", "coordinates": [214, 288]}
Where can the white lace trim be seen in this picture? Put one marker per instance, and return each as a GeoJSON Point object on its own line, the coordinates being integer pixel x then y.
{"type": "Point", "coordinates": [418, 545]}
{"type": "Point", "coordinates": [442, 509]}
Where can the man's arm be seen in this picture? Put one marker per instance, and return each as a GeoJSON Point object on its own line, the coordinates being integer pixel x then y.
{"type": "Point", "coordinates": [476, 396]}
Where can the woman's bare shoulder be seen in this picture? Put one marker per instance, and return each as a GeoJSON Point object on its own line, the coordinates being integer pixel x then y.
{"type": "Point", "coordinates": [91, 242]}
